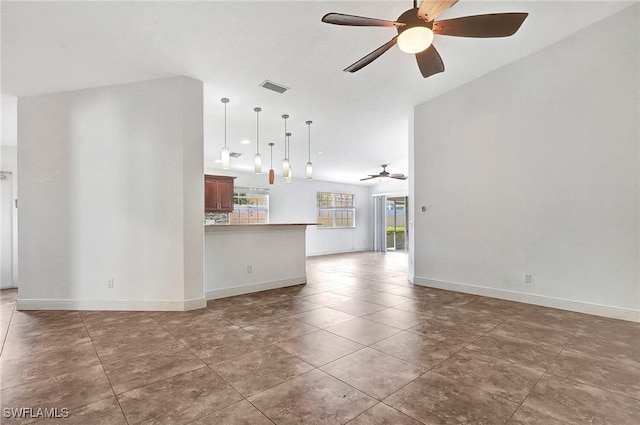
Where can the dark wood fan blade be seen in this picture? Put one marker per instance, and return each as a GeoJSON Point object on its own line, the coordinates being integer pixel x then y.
{"type": "Point", "coordinates": [398, 176]}
{"type": "Point", "coordinates": [431, 9]}
{"type": "Point", "coordinates": [357, 21]}
{"type": "Point", "coordinates": [368, 178]}
{"type": "Point", "coordinates": [371, 56]}
{"type": "Point", "coordinates": [429, 62]}
{"type": "Point", "coordinates": [481, 26]}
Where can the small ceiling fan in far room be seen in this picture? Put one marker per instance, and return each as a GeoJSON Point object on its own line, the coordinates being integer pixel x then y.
{"type": "Point", "coordinates": [385, 173]}
{"type": "Point", "coordinates": [416, 28]}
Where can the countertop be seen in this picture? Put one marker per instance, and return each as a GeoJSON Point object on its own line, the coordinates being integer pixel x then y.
{"type": "Point", "coordinates": [265, 224]}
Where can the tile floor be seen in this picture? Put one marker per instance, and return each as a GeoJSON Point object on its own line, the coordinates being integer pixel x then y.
{"type": "Point", "coordinates": [356, 345]}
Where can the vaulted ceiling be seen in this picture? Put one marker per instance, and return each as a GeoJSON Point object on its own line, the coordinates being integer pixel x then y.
{"type": "Point", "coordinates": [360, 120]}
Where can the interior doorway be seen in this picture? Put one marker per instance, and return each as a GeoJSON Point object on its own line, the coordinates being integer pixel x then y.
{"type": "Point", "coordinates": [6, 230]}
{"type": "Point", "coordinates": [396, 223]}
{"type": "Point", "coordinates": [390, 223]}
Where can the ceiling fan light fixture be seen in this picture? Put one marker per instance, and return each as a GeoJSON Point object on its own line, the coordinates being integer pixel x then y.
{"type": "Point", "coordinates": [415, 39]}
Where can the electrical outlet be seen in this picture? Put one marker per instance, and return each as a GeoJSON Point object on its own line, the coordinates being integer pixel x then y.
{"type": "Point", "coordinates": [527, 278]}
{"type": "Point", "coordinates": [110, 283]}
{"type": "Point", "coordinates": [249, 269]}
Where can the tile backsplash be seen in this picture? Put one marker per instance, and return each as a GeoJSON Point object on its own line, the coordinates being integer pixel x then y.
{"type": "Point", "coordinates": [216, 218]}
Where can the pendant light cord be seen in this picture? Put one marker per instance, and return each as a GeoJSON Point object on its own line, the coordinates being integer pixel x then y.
{"type": "Point", "coordinates": [257, 130]}
{"type": "Point", "coordinates": [225, 124]}
{"type": "Point", "coordinates": [309, 125]}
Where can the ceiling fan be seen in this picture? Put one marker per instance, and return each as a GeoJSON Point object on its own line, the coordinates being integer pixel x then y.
{"type": "Point", "coordinates": [385, 173]}
{"type": "Point", "coordinates": [417, 26]}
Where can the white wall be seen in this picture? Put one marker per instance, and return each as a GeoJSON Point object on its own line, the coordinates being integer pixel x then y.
{"type": "Point", "coordinates": [275, 253]}
{"type": "Point", "coordinates": [295, 202]}
{"type": "Point", "coordinates": [9, 163]}
{"type": "Point", "coordinates": [534, 168]}
{"type": "Point", "coordinates": [111, 188]}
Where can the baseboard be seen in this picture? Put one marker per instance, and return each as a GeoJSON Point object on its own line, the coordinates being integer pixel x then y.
{"type": "Point", "coordinates": [118, 305]}
{"type": "Point", "coordinates": [541, 300]}
{"type": "Point", "coordinates": [339, 251]}
{"type": "Point", "coordinates": [254, 287]}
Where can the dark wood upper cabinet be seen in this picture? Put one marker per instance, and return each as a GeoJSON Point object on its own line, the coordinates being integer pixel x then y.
{"type": "Point", "coordinates": [218, 193]}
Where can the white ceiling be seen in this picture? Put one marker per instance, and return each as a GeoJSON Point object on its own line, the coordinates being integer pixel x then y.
{"type": "Point", "coordinates": [360, 120]}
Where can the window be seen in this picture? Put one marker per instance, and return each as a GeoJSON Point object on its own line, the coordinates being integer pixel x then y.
{"type": "Point", "coordinates": [336, 210]}
{"type": "Point", "coordinates": [250, 206]}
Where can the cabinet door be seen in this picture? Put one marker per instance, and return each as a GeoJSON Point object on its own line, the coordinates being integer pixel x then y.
{"type": "Point", "coordinates": [225, 195]}
{"type": "Point", "coordinates": [211, 203]}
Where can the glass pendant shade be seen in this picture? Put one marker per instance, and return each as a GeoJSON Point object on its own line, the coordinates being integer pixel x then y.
{"type": "Point", "coordinates": [257, 163]}
{"type": "Point", "coordinates": [309, 171]}
{"type": "Point", "coordinates": [415, 40]}
{"type": "Point", "coordinates": [224, 156]}
{"type": "Point", "coordinates": [285, 167]}
{"type": "Point", "coordinates": [272, 174]}
{"type": "Point", "coordinates": [289, 176]}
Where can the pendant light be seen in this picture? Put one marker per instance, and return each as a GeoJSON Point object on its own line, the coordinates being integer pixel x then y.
{"type": "Point", "coordinates": [290, 172]}
{"type": "Point", "coordinates": [285, 161]}
{"type": "Point", "coordinates": [272, 174]}
{"type": "Point", "coordinates": [309, 164]}
{"type": "Point", "coordinates": [257, 161]}
{"type": "Point", "coordinates": [224, 155]}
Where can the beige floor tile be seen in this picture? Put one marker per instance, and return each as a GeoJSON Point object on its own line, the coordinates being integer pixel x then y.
{"type": "Point", "coordinates": [198, 327]}
{"type": "Point", "coordinates": [326, 298]}
{"type": "Point", "coordinates": [553, 337]}
{"type": "Point", "coordinates": [147, 368]}
{"type": "Point", "coordinates": [68, 391]}
{"type": "Point", "coordinates": [397, 318]}
{"type": "Point", "coordinates": [240, 413]}
{"type": "Point", "coordinates": [616, 377]}
{"type": "Point", "coordinates": [280, 329]}
{"type": "Point", "coordinates": [500, 377]}
{"type": "Point", "coordinates": [319, 348]}
{"type": "Point", "coordinates": [46, 364]}
{"type": "Point", "coordinates": [381, 414]}
{"type": "Point", "coordinates": [357, 307]}
{"type": "Point", "coordinates": [446, 331]}
{"type": "Point", "coordinates": [519, 351]}
{"type": "Point", "coordinates": [576, 403]}
{"type": "Point", "coordinates": [225, 346]}
{"type": "Point", "coordinates": [453, 402]}
{"type": "Point", "coordinates": [104, 412]}
{"type": "Point", "coordinates": [113, 347]}
{"type": "Point", "coordinates": [619, 352]}
{"type": "Point", "coordinates": [260, 370]}
{"type": "Point", "coordinates": [17, 344]}
{"type": "Point", "coordinates": [386, 299]}
{"type": "Point", "coordinates": [363, 331]}
{"type": "Point", "coordinates": [313, 398]}
{"type": "Point", "coordinates": [323, 317]}
{"type": "Point", "coordinates": [373, 372]}
{"type": "Point", "coordinates": [416, 349]}
{"type": "Point", "coordinates": [178, 400]}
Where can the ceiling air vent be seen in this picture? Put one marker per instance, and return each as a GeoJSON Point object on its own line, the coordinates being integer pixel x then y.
{"type": "Point", "coordinates": [235, 155]}
{"type": "Point", "coordinates": [270, 85]}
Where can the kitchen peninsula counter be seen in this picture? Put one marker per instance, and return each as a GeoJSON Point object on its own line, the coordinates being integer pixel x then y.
{"type": "Point", "coordinates": [245, 258]}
